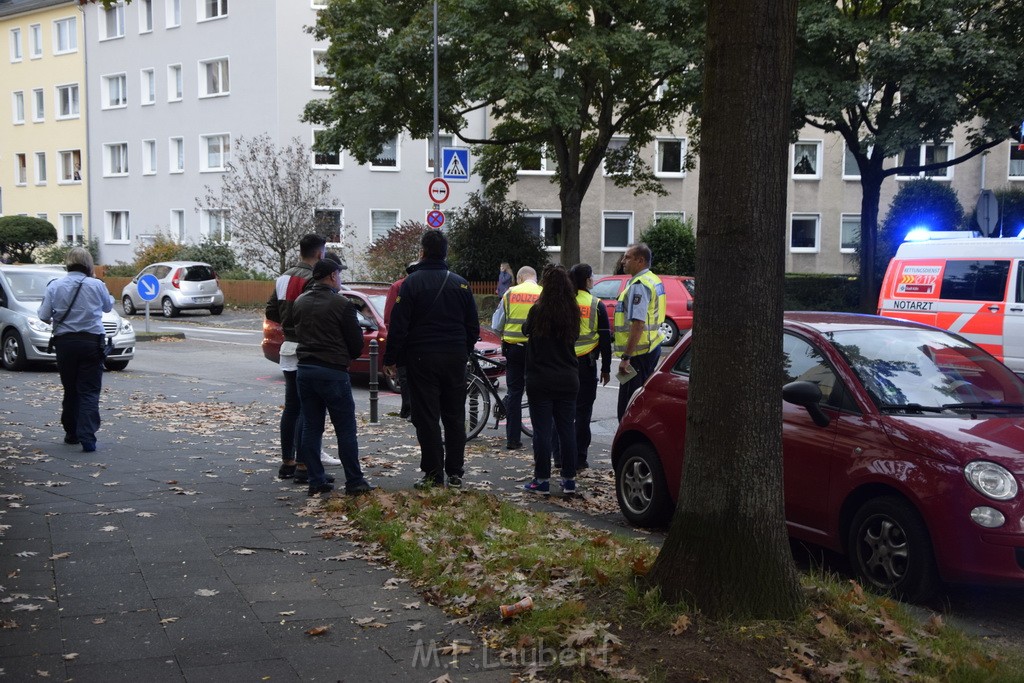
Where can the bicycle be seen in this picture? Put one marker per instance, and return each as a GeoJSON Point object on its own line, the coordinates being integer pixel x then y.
{"type": "Point", "coordinates": [483, 399]}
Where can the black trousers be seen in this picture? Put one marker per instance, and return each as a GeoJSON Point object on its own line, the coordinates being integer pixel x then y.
{"type": "Point", "coordinates": [644, 364]}
{"type": "Point", "coordinates": [437, 387]}
{"type": "Point", "coordinates": [80, 364]}
{"type": "Point", "coordinates": [587, 366]}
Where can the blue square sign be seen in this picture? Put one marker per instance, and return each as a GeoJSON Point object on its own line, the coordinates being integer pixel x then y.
{"type": "Point", "coordinates": [455, 164]}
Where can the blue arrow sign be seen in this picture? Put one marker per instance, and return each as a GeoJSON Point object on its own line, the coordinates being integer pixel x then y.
{"type": "Point", "coordinates": [149, 287]}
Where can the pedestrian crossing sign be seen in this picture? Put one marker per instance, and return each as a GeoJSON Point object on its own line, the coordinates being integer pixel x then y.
{"type": "Point", "coordinates": [455, 164]}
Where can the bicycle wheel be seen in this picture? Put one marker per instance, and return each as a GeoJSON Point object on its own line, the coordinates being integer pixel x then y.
{"type": "Point", "coordinates": [478, 406]}
{"type": "Point", "coordinates": [527, 424]}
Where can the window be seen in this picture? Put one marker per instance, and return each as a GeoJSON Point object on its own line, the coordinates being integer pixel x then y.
{"type": "Point", "coordinates": [71, 228]}
{"type": "Point", "coordinates": [113, 22]}
{"type": "Point", "coordinates": [321, 77]}
{"type": "Point", "coordinates": [849, 233]}
{"type": "Point", "coordinates": [615, 160]}
{"type": "Point", "coordinates": [215, 223]}
{"type": "Point", "coordinates": [40, 168]}
{"type": "Point", "coordinates": [145, 15]}
{"type": "Point", "coordinates": [535, 162]}
{"type": "Point", "coordinates": [20, 169]}
{"type": "Point", "coordinates": [35, 41]}
{"type": "Point", "coordinates": [922, 155]}
{"type": "Point", "coordinates": [38, 105]}
{"type": "Point", "coordinates": [148, 157]}
{"type": "Point", "coordinates": [67, 101]}
{"type": "Point", "coordinates": [16, 55]}
{"type": "Point", "coordinates": [328, 222]}
{"type": "Point", "coordinates": [148, 86]}
{"type": "Point", "coordinates": [804, 229]}
{"type": "Point", "coordinates": [174, 83]}
{"type": "Point", "coordinates": [851, 171]}
{"type": "Point", "coordinates": [387, 157]}
{"type": "Point", "coordinates": [215, 152]}
{"type": "Point", "coordinates": [546, 226]}
{"type": "Point", "coordinates": [173, 13]}
{"type": "Point", "coordinates": [1016, 161]}
{"type": "Point", "coordinates": [806, 161]}
{"type": "Point", "coordinates": [115, 91]}
{"type": "Point", "coordinates": [70, 166]}
{"type": "Point", "coordinates": [381, 222]}
{"type": "Point", "coordinates": [65, 36]}
{"type": "Point", "coordinates": [176, 155]}
{"type": "Point", "coordinates": [213, 78]}
{"type": "Point", "coordinates": [115, 159]}
{"type": "Point", "coordinates": [42, 216]}
{"type": "Point", "coordinates": [973, 280]}
{"type": "Point", "coordinates": [178, 224]}
{"type": "Point", "coordinates": [118, 229]}
{"type": "Point", "coordinates": [803, 362]}
{"type": "Point", "coordinates": [446, 141]}
{"type": "Point", "coordinates": [670, 216]}
{"type": "Point", "coordinates": [212, 9]}
{"type": "Point", "coordinates": [18, 106]}
{"type": "Point", "coordinates": [616, 230]}
{"type": "Point", "coordinates": [324, 159]}
{"type": "Point", "coordinates": [669, 160]}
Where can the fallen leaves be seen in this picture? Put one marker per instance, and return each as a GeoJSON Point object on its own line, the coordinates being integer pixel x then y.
{"type": "Point", "coordinates": [680, 625]}
{"type": "Point", "coordinates": [318, 630]}
{"type": "Point", "coordinates": [206, 592]}
{"type": "Point", "coordinates": [169, 620]}
{"type": "Point", "coordinates": [60, 556]}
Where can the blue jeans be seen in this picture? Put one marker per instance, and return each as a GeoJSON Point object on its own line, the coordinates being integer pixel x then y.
{"type": "Point", "coordinates": [644, 364]}
{"type": "Point", "coordinates": [515, 379]}
{"type": "Point", "coordinates": [80, 365]}
{"type": "Point", "coordinates": [291, 418]}
{"type": "Point", "coordinates": [557, 410]}
{"type": "Point", "coordinates": [327, 391]}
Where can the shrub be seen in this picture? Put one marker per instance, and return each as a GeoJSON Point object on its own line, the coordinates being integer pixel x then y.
{"type": "Point", "coordinates": [161, 248]}
{"type": "Point", "coordinates": [919, 203]}
{"type": "Point", "coordinates": [58, 253]}
{"type": "Point", "coordinates": [213, 251]}
{"type": "Point", "coordinates": [673, 246]}
{"type": "Point", "coordinates": [387, 258]}
{"type": "Point", "coordinates": [20, 235]}
{"type": "Point", "coordinates": [483, 233]}
{"type": "Point", "coordinates": [816, 292]}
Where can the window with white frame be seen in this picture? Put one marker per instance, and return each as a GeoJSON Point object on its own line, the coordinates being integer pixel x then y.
{"type": "Point", "coordinates": [42, 216]}
{"type": "Point", "coordinates": [117, 225]}
{"type": "Point", "coordinates": [213, 77]}
{"type": "Point", "coordinates": [65, 36]}
{"type": "Point", "coordinates": [40, 168]}
{"type": "Point", "coordinates": [18, 106]}
{"type": "Point", "coordinates": [145, 15]}
{"type": "Point", "coordinates": [381, 222]}
{"type": "Point", "coordinates": [1016, 161]}
{"type": "Point", "coordinates": [35, 41]}
{"type": "Point", "coordinates": [70, 165]}
{"type": "Point", "coordinates": [535, 161]}
{"type": "Point", "coordinates": [71, 231]}
{"type": "Point", "coordinates": [176, 155]}
{"type": "Point", "coordinates": [446, 141]}
{"type": "Point", "coordinates": [115, 91]}
{"type": "Point", "coordinates": [324, 159]}
{"type": "Point", "coordinates": [175, 87]}
{"type": "Point", "coordinates": [613, 158]}
{"type": "Point", "coordinates": [38, 105]}
{"type": "Point", "coordinates": [112, 21]}
{"type": "Point", "coordinates": [851, 171]}
{"type": "Point", "coordinates": [16, 55]}
{"type": "Point", "coordinates": [215, 151]}
{"type": "Point", "coordinates": [172, 10]}
{"type": "Point", "coordinates": [115, 159]}
{"type": "Point", "coordinates": [922, 155]}
{"type": "Point", "coordinates": [67, 101]}
{"type": "Point", "coordinates": [670, 216]}
{"type": "Point", "coordinates": [215, 223]}
{"type": "Point", "coordinates": [211, 9]}
{"type": "Point", "coordinates": [616, 230]}
{"type": "Point", "coordinates": [148, 157]}
{"type": "Point", "coordinates": [849, 232]}
{"type": "Point", "coordinates": [321, 77]}
{"type": "Point", "coordinates": [20, 169]}
{"type": "Point", "coordinates": [328, 223]}
{"type": "Point", "coordinates": [387, 158]}
{"type": "Point", "coordinates": [147, 86]}
{"type": "Point", "coordinates": [177, 225]}
{"type": "Point", "coordinates": [546, 225]}
{"type": "Point", "coordinates": [669, 157]}
{"type": "Point", "coordinates": [804, 232]}
{"type": "Point", "coordinates": [806, 160]}
{"type": "Point", "coordinates": [318, 5]}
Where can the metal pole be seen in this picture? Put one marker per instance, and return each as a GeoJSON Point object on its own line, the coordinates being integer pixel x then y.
{"type": "Point", "coordinates": [147, 317]}
{"type": "Point", "coordinates": [437, 138]}
{"type": "Point", "coordinates": [374, 370]}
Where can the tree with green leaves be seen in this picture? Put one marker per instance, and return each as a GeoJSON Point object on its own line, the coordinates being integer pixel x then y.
{"type": "Point", "coordinates": [555, 77]}
{"type": "Point", "coordinates": [388, 256]}
{"type": "Point", "coordinates": [892, 75]}
{"type": "Point", "coordinates": [19, 235]}
{"type": "Point", "coordinates": [672, 244]}
{"type": "Point", "coordinates": [484, 232]}
{"type": "Point", "coordinates": [918, 204]}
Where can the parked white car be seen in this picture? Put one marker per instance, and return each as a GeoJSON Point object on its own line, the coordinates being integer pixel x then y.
{"type": "Point", "coordinates": [24, 337]}
{"type": "Point", "coordinates": [184, 285]}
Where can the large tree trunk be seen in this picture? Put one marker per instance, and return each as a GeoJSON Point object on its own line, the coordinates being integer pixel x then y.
{"type": "Point", "coordinates": [727, 551]}
{"type": "Point", "coordinates": [571, 199]}
{"type": "Point", "coordinates": [871, 189]}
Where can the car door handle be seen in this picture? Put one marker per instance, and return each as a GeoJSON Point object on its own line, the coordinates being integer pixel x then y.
{"type": "Point", "coordinates": [994, 309]}
{"type": "Point", "coordinates": [1016, 309]}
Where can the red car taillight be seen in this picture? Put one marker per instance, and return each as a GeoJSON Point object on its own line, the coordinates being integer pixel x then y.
{"type": "Point", "coordinates": [176, 279]}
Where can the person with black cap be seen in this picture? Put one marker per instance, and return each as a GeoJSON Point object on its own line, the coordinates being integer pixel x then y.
{"type": "Point", "coordinates": [322, 318]}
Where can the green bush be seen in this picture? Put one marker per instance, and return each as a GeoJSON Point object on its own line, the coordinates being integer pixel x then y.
{"type": "Point", "coordinates": [483, 233]}
{"type": "Point", "coordinates": [673, 246]}
{"type": "Point", "coordinates": [919, 203]}
{"type": "Point", "coordinates": [815, 292]}
{"type": "Point", "coordinates": [387, 258]}
{"type": "Point", "coordinates": [20, 235]}
{"type": "Point", "coordinates": [58, 253]}
{"type": "Point", "coordinates": [1011, 211]}
{"type": "Point", "coordinates": [213, 251]}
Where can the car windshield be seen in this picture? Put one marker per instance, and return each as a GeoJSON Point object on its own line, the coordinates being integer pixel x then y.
{"type": "Point", "coordinates": [28, 285]}
{"type": "Point", "coordinates": [928, 371]}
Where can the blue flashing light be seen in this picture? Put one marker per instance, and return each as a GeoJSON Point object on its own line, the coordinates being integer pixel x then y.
{"type": "Point", "coordinates": [918, 235]}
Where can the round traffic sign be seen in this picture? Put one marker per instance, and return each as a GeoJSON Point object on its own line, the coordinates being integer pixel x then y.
{"type": "Point", "coordinates": [435, 219]}
{"type": "Point", "coordinates": [148, 287]}
{"type": "Point", "coordinates": [438, 190]}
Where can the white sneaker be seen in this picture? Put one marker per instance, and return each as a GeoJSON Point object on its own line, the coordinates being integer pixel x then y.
{"type": "Point", "coordinates": [328, 459]}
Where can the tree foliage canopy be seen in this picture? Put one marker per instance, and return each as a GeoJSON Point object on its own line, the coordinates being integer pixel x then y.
{"type": "Point", "coordinates": [19, 235]}
{"type": "Point", "coordinates": [918, 204]}
{"type": "Point", "coordinates": [485, 232]}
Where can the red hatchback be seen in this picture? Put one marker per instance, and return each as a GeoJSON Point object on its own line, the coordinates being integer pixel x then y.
{"type": "Point", "coordinates": [903, 447]}
{"type": "Point", "coordinates": [678, 302]}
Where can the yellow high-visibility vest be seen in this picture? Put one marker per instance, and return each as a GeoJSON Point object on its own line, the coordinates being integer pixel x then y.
{"type": "Point", "coordinates": [588, 303]}
{"type": "Point", "coordinates": [651, 335]}
{"type": "Point", "coordinates": [517, 302]}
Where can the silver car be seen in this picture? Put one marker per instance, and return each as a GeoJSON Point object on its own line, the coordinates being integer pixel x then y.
{"type": "Point", "coordinates": [24, 337]}
{"type": "Point", "coordinates": [184, 285]}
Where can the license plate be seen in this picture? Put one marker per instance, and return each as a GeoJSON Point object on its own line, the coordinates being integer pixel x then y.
{"type": "Point", "coordinates": [202, 299]}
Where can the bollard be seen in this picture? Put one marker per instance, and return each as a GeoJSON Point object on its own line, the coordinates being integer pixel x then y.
{"type": "Point", "coordinates": [374, 373]}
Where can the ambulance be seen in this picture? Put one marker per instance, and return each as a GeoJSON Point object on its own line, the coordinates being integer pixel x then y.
{"type": "Point", "coordinates": [973, 287]}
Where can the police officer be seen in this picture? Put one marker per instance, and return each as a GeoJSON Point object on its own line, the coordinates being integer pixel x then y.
{"type": "Point", "coordinates": [639, 313]}
{"type": "Point", "coordinates": [508, 323]}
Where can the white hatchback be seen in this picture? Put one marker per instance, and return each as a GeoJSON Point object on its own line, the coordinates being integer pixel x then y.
{"type": "Point", "coordinates": [184, 285]}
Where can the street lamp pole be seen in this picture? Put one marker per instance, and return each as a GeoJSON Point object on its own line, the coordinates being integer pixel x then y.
{"type": "Point", "coordinates": [437, 137]}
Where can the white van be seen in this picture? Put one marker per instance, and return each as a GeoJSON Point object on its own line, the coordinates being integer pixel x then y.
{"type": "Point", "coordinates": [972, 286]}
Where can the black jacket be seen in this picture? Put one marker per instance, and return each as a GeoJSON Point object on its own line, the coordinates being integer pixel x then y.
{"type": "Point", "coordinates": [327, 328]}
{"type": "Point", "coordinates": [432, 314]}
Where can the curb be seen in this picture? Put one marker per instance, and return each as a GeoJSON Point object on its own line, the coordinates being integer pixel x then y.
{"type": "Point", "coordinates": [154, 336]}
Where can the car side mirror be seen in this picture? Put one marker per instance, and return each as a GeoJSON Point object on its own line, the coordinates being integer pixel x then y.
{"type": "Point", "coordinates": [808, 395]}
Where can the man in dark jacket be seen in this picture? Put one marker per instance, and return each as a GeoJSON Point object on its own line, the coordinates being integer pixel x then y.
{"type": "Point", "coordinates": [329, 339]}
{"type": "Point", "coordinates": [434, 326]}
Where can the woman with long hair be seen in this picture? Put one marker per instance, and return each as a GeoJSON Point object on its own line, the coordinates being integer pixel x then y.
{"type": "Point", "coordinates": [552, 379]}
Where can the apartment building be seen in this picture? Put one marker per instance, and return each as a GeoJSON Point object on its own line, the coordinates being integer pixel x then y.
{"type": "Point", "coordinates": [43, 123]}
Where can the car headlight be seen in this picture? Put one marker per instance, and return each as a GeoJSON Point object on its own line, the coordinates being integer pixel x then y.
{"type": "Point", "coordinates": [126, 326]}
{"type": "Point", "coordinates": [38, 325]}
{"type": "Point", "coordinates": [991, 480]}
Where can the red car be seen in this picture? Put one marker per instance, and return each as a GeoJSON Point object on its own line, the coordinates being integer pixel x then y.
{"type": "Point", "coordinates": [369, 300]}
{"type": "Point", "coordinates": [678, 302]}
{"type": "Point", "coordinates": [903, 447]}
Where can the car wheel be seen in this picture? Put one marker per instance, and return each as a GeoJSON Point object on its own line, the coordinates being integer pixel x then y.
{"type": "Point", "coordinates": [390, 384]}
{"type": "Point", "coordinates": [127, 306]}
{"type": "Point", "coordinates": [12, 355]}
{"type": "Point", "coordinates": [115, 364]}
{"type": "Point", "coordinates": [891, 551]}
{"type": "Point", "coordinates": [216, 310]}
{"type": "Point", "coordinates": [640, 487]}
{"type": "Point", "coordinates": [670, 331]}
{"type": "Point", "coordinates": [169, 309]}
